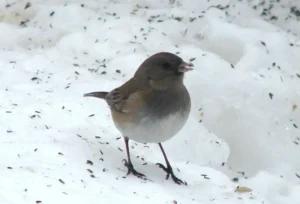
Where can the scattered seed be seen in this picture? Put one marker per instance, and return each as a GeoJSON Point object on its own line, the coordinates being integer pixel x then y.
{"type": "Point", "coordinates": [242, 189]}
{"type": "Point", "coordinates": [89, 162]}
{"type": "Point", "coordinates": [27, 5]}
{"type": "Point", "coordinates": [274, 18]}
{"type": "Point", "coordinates": [271, 95]}
{"type": "Point", "coordinates": [23, 23]}
{"type": "Point", "coordinates": [52, 13]}
{"type": "Point", "coordinates": [235, 179]}
{"type": "Point", "coordinates": [178, 18]}
{"type": "Point", "coordinates": [60, 180]}
{"type": "Point", "coordinates": [241, 172]}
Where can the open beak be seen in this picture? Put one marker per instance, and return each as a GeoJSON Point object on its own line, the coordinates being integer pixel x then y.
{"type": "Point", "coordinates": [185, 67]}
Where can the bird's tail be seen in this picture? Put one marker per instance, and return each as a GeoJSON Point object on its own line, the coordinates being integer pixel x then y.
{"type": "Point", "coordinates": [101, 94]}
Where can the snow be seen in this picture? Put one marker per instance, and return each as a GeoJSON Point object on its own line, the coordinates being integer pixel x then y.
{"type": "Point", "coordinates": [244, 127]}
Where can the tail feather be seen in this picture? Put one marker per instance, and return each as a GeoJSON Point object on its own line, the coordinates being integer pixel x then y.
{"type": "Point", "coordinates": [101, 94]}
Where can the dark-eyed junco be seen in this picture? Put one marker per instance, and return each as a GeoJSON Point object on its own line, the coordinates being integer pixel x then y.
{"type": "Point", "coordinates": [152, 106]}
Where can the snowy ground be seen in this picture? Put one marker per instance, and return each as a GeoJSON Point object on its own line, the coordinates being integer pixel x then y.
{"type": "Point", "coordinates": [244, 128]}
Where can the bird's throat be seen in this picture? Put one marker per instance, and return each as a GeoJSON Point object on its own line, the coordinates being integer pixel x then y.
{"type": "Point", "coordinates": [166, 83]}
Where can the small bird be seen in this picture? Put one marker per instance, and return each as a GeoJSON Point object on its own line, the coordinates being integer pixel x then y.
{"type": "Point", "coordinates": [152, 106]}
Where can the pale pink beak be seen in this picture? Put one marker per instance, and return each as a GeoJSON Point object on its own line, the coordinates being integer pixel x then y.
{"type": "Point", "coordinates": [185, 67]}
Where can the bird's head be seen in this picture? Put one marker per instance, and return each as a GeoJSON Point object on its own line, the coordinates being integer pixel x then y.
{"type": "Point", "coordinates": [163, 68]}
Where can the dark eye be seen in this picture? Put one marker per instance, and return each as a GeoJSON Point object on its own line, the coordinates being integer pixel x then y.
{"type": "Point", "coordinates": [166, 66]}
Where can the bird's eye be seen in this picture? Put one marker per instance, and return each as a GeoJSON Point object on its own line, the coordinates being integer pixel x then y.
{"type": "Point", "coordinates": [166, 65]}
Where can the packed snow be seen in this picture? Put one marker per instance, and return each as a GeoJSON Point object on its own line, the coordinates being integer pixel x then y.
{"type": "Point", "coordinates": [241, 143]}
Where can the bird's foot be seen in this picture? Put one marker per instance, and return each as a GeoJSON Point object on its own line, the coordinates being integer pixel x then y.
{"type": "Point", "coordinates": [132, 170]}
{"type": "Point", "coordinates": [169, 172]}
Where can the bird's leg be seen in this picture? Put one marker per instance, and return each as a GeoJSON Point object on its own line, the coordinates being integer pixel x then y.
{"type": "Point", "coordinates": [169, 169]}
{"type": "Point", "coordinates": [128, 163]}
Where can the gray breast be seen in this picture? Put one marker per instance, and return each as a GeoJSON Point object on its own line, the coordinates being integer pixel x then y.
{"type": "Point", "coordinates": [165, 103]}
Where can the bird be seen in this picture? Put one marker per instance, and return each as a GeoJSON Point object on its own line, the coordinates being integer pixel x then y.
{"type": "Point", "coordinates": [152, 106]}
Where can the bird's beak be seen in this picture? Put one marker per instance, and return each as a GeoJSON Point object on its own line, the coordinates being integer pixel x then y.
{"type": "Point", "coordinates": [185, 67]}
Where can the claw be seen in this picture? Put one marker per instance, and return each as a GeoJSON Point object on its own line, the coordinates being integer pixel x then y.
{"type": "Point", "coordinates": [169, 172]}
{"type": "Point", "coordinates": [125, 162]}
{"type": "Point", "coordinates": [132, 170]}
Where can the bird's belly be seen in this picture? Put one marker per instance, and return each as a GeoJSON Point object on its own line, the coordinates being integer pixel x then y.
{"type": "Point", "coordinates": [151, 130]}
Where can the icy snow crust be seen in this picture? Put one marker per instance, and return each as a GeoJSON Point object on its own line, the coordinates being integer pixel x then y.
{"type": "Point", "coordinates": [58, 147]}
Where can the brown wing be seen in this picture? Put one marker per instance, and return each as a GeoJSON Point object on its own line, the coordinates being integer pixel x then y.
{"type": "Point", "coordinates": [127, 96]}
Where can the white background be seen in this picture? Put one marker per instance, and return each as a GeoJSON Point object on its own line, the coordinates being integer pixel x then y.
{"type": "Point", "coordinates": [245, 92]}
